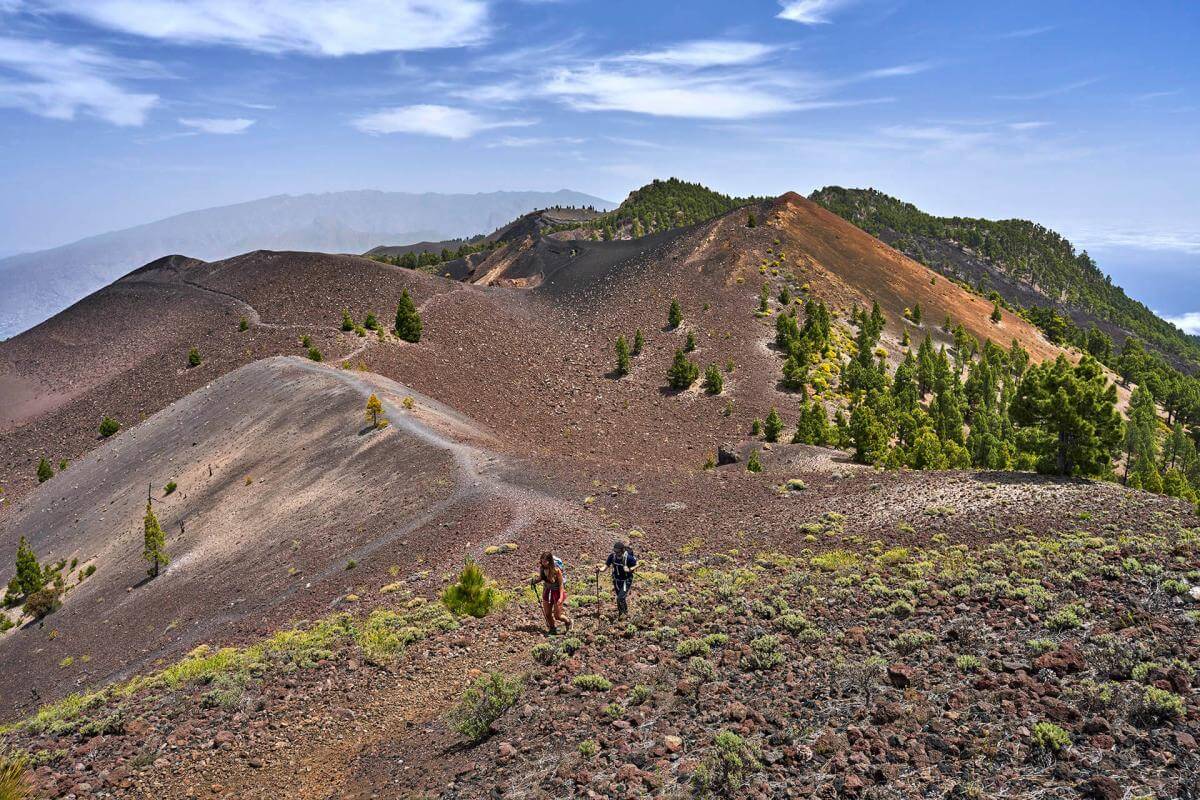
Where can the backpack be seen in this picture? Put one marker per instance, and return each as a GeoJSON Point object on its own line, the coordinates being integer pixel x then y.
{"type": "Point", "coordinates": [561, 567]}
{"type": "Point", "coordinates": [622, 570]}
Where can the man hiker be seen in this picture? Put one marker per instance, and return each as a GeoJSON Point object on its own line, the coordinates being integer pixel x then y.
{"type": "Point", "coordinates": [554, 591]}
{"type": "Point", "coordinates": [622, 562]}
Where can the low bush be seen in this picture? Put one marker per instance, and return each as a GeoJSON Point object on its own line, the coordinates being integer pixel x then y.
{"type": "Point", "coordinates": [484, 702]}
{"type": "Point", "coordinates": [1050, 738]}
{"type": "Point", "coordinates": [473, 594]}
{"type": "Point", "coordinates": [592, 683]}
{"type": "Point", "coordinates": [728, 765]}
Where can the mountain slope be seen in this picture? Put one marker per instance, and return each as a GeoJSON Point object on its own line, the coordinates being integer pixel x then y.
{"type": "Point", "coordinates": [1029, 265]}
{"type": "Point", "coordinates": [845, 631]}
{"type": "Point", "coordinates": [40, 284]}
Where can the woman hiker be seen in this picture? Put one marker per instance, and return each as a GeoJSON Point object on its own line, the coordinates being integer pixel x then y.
{"type": "Point", "coordinates": [554, 591]}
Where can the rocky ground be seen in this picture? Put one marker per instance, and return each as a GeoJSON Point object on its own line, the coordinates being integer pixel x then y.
{"type": "Point", "coordinates": [926, 656]}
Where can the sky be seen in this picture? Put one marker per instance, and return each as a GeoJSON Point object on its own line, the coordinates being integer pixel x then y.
{"type": "Point", "coordinates": [1082, 116]}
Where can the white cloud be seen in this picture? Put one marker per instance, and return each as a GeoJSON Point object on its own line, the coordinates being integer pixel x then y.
{"type": "Point", "coordinates": [1053, 91]}
{"type": "Point", "coordinates": [705, 53]}
{"type": "Point", "coordinates": [809, 12]}
{"type": "Point", "coordinates": [217, 126]}
{"type": "Point", "coordinates": [898, 71]}
{"type": "Point", "coordinates": [536, 141]}
{"type": "Point", "coordinates": [60, 82]}
{"type": "Point", "coordinates": [431, 120]}
{"type": "Point", "coordinates": [1031, 125]}
{"type": "Point", "coordinates": [1189, 322]}
{"type": "Point", "coordinates": [1143, 240]}
{"type": "Point", "coordinates": [601, 87]}
{"type": "Point", "coordinates": [1025, 33]}
{"type": "Point", "coordinates": [316, 27]}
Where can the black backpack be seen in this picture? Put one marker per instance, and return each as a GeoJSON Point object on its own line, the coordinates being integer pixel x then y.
{"type": "Point", "coordinates": [622, 569]}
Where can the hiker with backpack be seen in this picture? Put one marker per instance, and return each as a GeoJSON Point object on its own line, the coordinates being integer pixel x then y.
{"type": "Point", "coordinates": [622, 562]}
{"type": "Point", "coordinates": [554, 591]}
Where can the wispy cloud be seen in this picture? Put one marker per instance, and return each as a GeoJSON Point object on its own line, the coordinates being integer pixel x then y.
{"type": "Point", "coordinates": [1188, 323]}
{"type": "Point", "coordinates": [536, 141]}
{"type": "Point", "coordinates": [810, 12]}
{"type": "Point", "coordinates": [1028, 125]}
{"type": "Point", "coordinates": [60, 82]}
{"type": "Point", "coordinates": [608, 87]}
{"type": "Point", "coordinates": [897, 71]}
{"type": "Point", "coordinates": [221, 127]}
{"type": "Point", "coordinates": [1025, 33]}
{"type": "Point", "coordinates": [431, 120]}
{"type": "Point", "coordinates": [315, 27]}
{"type": "Point", "coordinates": [704, 53]}
{"type": "Point", "coordinates": [1053, 91]}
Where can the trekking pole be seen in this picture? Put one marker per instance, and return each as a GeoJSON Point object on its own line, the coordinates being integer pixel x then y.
{"type": "Point", "coordinates": [597, 597]}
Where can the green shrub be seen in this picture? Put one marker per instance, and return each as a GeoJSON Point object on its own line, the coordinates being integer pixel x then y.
{"type": "Point", "coordinates": [754, 464]}
{"type": "Point", "coordinates": [170, 487]}
{"type": "Point", "coordinates": [691, 647]}
{"type": "Point", "coordinates": [1159, 705]}
{"type": "Point", "coordinates": [967, 663]}
{"type": "Point", "coordinates": [109, 426]}
{"type": "Point", "coordinates": [193, 358]}
{"type": "Point", "coordinates": [243, 324]}
{"type": "Point", "coordinates": [45, 471]}
{"type": "Point", "coordinates": [44, 601]}
{"type": "Point", "coordinates": [716, 639]}
{"type": "Point", "coordinates": [640, 694]}
{"type": "Point", "coordinates": [1050, 738]}
{"type": "Point", "coordinates": [1041, 646]}
{"type": "Point", "coordinates": [473, 594]}
{"type": "Point", "coordinates": [592, 683]}
{"type": "Point", "coordinates": [544, 653]}
{"type": "Point", "coordinates": [764, 654]}
{"type": "Point", "coordinates": [725, 770]}
{"type": "Point", "coordinates": [1064, 619]}
{"type": "Point", "coordinates": [912, 641]}
{"type": "Point", "coordinates": [315, 354]}
{"type": "Point", "coordinates": [14, 784]}
{"type": "Point", "coordinates": [484, 702]}
{"type": "Point", "coordinates": [588, 748]}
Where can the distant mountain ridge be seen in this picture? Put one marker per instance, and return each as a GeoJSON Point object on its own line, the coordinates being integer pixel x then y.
{"type": "Point", "coordinates": [42, 283]}
{"type": "Point", "coordinates": [1028, 264]}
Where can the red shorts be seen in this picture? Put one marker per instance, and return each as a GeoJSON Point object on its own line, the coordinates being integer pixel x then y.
{"type": "Point", "coordinates": [555, 596]}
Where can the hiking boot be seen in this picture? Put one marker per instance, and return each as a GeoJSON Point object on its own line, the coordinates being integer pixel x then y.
{"type": "Point", "coordinates": [552, 632]}
{"type": "Point", "coordinates": [568, 623]}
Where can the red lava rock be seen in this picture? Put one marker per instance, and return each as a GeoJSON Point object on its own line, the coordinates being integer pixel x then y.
{"type": "Point", "coordinates": [901, 676]}
{"type": "Point", "coordinates": [1063, 661]}
{"type": "Point", "coordinates": [1101, 787]}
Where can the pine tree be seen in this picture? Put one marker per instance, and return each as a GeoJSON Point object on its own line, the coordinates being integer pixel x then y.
{"type": "Point", "coordinates": [347, 320]}
{"type": "Point", "coordinates": [1141, 443]}
{"type": "Point", "coordinates": [44, 471]}
{"type": "Point", "coordinates": [371, 322]}
{"type": "Point", "coordinates": [408, 321]}
{"type": "Point", "coordinates": [674, 315]}
{"type": "Point", "coordinates": [1179, 449]}
{"type": "Point", "coordinates": [683, 373]}
{"type": "Point", "coordinates": [374, 410]}
{"type": "Point", "coordinates": [926, 367]}
{"type": "Point", "coordinates": [915, 315]}
{"type": "Point", "coordinates": [639, 342]}
{"type": "Point", "coordinates": [773, 426]}
{"type": "Point", "coordinates": [753, 464]}
{"type": "Point", "coordinates": [714, 381]}
{"type": "Point", "coordinates": [764, 300]}
{"type": "Point", "coordinates": [996, 315]}
{"type": "Point", "coordinates": [868, 435]}
{"type": "Point", "coordinates": [243, 324]}
{"type": "Point", "coordinates": [30, 577]}
{"type": "Point", "coordinates": [193, 358]}
{"type": "Point", "coordinates": [622, 358]}
{"type": "Point", "coordinates": [109, 426]}
{"type": "Point", "coordinates": [689, 344]}
{"type": "Point", "coordinates": [751, 222]}
{"type": "Point", "coordinates": [1070, 414]}
{"type": "Point", "coordinates": [795, 374]}
{"type": "Point", "coordinates": [1132, 361]}
{"type": "Point", "coordinates": [154, 542]}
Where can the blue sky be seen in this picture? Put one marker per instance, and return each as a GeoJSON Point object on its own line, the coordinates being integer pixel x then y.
{"type": "Point", "coordinates": [1080, 115]}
